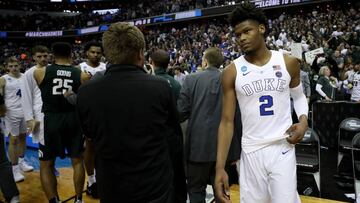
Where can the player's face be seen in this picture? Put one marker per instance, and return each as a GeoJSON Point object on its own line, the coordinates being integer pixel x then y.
{"type": "Point", "coordinates": [249, 35]}
{"type": "Point", "coordinates": [94, 54]}
{"type": "Point", "coordinates": [13, 67]}
{"type": "Point", "coordinates": [41, 58]}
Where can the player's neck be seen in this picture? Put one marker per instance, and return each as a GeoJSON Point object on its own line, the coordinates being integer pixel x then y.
{"type": "Point", "coordinates": [259, 57]}
{"type": "Point", "coordinates": [61, 61]}
{"type": "Point", "coordinates": [15, 75]}
{"type": "Point", "coordinates": [39, 66]}
{"type": "Point", "coordinates": [94, 65]}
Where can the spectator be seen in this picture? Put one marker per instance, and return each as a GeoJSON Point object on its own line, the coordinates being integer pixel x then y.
{"type": "Point", "coordinates": [326, 85]}
{"type": "Point", "coordinates": [179, 76]}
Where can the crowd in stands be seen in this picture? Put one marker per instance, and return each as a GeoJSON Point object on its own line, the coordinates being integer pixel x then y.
{"type": "Point", "coordinates": [335, 30]}
{"type": "Point", "coordinates": [40, 21]}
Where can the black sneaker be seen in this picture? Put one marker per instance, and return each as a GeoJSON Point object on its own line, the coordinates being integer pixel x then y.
{"type": "Point", "coordinates": [92, 190]}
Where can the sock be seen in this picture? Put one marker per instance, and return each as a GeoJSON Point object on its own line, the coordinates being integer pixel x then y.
{"type": "Point", "coordinates": [21, 159]}
{"type": "Point", "coordinates": [78, 197]}
{"type": "Point", "coordinates": [54, 200]}
{"type": "Point", "coordinates": [91, 179]}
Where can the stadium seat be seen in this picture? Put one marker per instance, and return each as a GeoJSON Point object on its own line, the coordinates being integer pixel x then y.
{"type": "Point", "coordinates": [347, 130]}
{"type": "Point", "coordinates": [356, 164]}
{"type": "Point", "coordinates": [308, 156]}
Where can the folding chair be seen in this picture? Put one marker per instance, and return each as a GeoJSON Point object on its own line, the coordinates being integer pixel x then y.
{"type": "Point", "coordinates": [308, 156]}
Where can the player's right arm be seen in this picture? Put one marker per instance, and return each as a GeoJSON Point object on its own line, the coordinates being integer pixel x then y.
{"type": "Point", "coordinates": [225, 133]}
{"type": "Point", "coordinates": [27, 86]}
{"type": "Point", "coordinates": [39, 75]}
{"type": "Point", "coordinates": [2, 85]}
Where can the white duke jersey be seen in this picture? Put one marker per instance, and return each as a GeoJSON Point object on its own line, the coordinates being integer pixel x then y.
{"type": "Point", "coordinates": [263, 94]}
{"type": "Point", "coordinates": [92, 70]}
{"type": "Point", "coordinates": [12, 95]}
{"type": "Point", "coordinates": [355, 95]}
{"type": "Point", "coordinates": [31, 95]}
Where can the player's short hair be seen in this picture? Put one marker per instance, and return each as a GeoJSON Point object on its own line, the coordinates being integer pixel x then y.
{"type": "Point", "coordinates": [93, 44]}
{"type": "Point", "coordinates": [122, 42]}
{"type": "Point", "coordinates": [11, 59]}
{"type": "Point", "coordinates": [160, 58]}
{"type": "Point", "coordinates": [61, 49]}
{"type": "Point", "coordinates": [247, 11]}
{"type": "Point", "coordinates": [214, 57]}
{"type": "Point", "coordinates": [39, 49]}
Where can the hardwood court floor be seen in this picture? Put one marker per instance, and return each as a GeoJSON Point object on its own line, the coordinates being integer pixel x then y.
{"type": "Point", "coordinates": [31, 191]}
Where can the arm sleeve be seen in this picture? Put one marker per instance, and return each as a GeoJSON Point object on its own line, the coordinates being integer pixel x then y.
{"type": "Point", "coordinates": [300, 103]}
{"type": "Point", "coordinates": [319, 90]}
{"type": "Point", "coordinates": [27, 86]}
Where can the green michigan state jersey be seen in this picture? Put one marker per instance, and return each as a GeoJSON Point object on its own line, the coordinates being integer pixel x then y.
{"type": "Point", "coordinates": [57, 80]}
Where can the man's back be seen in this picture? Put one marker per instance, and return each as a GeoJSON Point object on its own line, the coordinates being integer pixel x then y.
{"type": "Point", "coordinates": [200, 101]}
{"type": "Point", "coordinates": [129, 125]}
{"type": "Point", "coordinates": [57, 80]}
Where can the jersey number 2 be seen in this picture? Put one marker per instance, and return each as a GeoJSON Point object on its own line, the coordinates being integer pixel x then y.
{"type": "Point", "coordinates": [266, 103]}
{"type": "Point", "coordinates": [61, 86]}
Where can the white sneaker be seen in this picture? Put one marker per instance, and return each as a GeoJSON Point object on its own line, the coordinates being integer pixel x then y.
{"type": "Point", "coordinates": [15, 199]}
{"type": "Point", "coordinates": [18, 176]}
{"type": "Point", "coordinates": [78, 201]}
{"type": "Point", "coordinates": [25, 166]}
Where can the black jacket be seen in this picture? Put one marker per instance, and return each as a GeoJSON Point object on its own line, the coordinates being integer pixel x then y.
{"type": "Point", "coordinates": [129, 115]}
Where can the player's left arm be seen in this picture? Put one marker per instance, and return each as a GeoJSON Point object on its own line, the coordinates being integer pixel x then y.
{"type": "Point", "coordinates": [84, 77]}
{"type": "Point", "coordinates": [301, 107]}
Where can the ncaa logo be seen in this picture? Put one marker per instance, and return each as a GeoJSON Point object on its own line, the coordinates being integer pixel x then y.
{"type": "Point", "coordinates": [278, 74]}
{"type": "Point", "coordinates": [244, 69]}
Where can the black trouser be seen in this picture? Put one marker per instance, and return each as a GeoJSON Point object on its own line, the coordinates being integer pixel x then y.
{"type": "Point", "coordinates": [7, 182]}
{"type": "Point", "coordinates": [199, 174]}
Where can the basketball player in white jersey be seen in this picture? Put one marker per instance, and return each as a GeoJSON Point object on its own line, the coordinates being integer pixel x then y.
{"type": "Point", "coordinates": [31, 95]}
{"type": "Point", "coordinates": [15, 123]}
{"type": "Point", "coordinates": [93, 64]}
{"type": "Point", "coordinates": [93, 51]}
{"type": "Point", "coordinates": [262, 82]}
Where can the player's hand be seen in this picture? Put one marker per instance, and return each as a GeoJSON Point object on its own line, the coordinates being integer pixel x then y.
{"type": "Point", "coordinates": [296, 132]}
{"type": "Point", "coordinates": [68, 93]}
{"type": "Point", "coordinates": [30, 124]}
{"type": "Point", "coordinates": [222, 190]}
{"type": "Point", "coordinates": [327, 99]}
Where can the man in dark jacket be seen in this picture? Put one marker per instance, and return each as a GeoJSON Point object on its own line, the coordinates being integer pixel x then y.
{"type": "Point", "coordinates": [200, 102]}
{"type": "Point", "coordinates": [128, 114]}
{"type": "Point", "coordinates": [160, 60]}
